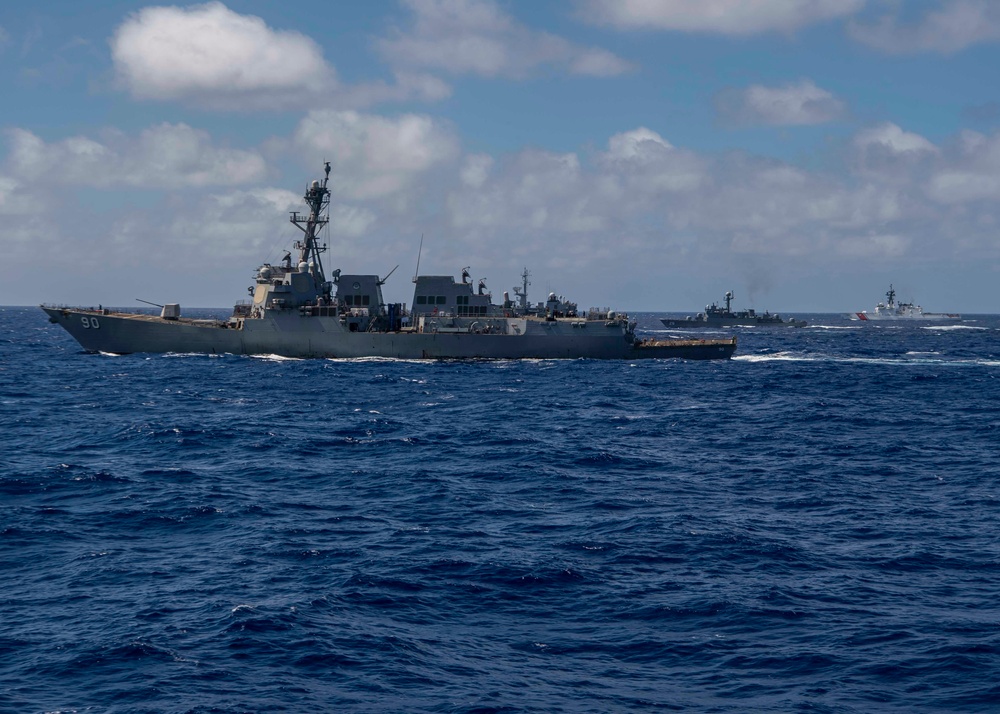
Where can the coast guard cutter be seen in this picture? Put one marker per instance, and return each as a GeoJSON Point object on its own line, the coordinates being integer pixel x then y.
{"type": "Point", "coordinates": [892, 310]}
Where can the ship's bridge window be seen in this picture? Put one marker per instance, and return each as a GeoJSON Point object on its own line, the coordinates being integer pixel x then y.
{"type": "Point", "coordinates": [357, 300]}
{"type": "Point", "coordinates": [462, 300]}
{"type": "Point", "coordinates": [431, 300]}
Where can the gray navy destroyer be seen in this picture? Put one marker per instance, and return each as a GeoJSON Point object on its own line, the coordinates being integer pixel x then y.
{"type": "Point", "coordinates": [296, 310]}
{"type": "Point", "coordinates": [716, 316]}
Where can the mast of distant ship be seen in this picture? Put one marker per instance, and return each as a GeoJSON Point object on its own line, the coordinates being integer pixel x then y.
{"type": "Point", "coordinates": [522, 292]}
{"type": "Point", "coordinates": [318, 199]}
{"type": "Point", "coordinates": [891, 297]}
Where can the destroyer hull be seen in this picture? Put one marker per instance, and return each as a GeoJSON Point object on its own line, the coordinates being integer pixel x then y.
{"type": "Point", "coordinates": [291, 335]}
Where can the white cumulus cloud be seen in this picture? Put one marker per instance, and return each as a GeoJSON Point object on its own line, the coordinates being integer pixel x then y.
{"type": "Point", "coordinates": [789, 105]}
{"type": "Point", "coordinates": [535, 202]}
{"type": "Point", "coordinates": [475, 170]}
{"type": "Point", "coordinates": [726, 17]}
{"type": "Point", "coordinates": [630, 144]}
{"type": "Point", "coordinates": [163, 156]}
{"type": "Point", "coordinates": [373, 155]}
{"type": "Point", "coordinates": [652, 199]}
{"type": "Point", "coordinates": [350, 221]}
{"type": "Point", "coordinates": [892, 153]}
{"type": "Point", "coordinates": [645, 165]}
{"type": "Point", "coordinates": [212, 55]}
{"type": "Point", "coordinates": [892, 138]}
{"type": "Point", "coordinates": [951, 27]}
{"type": "Point", "coordinates": [478, 37]}
{"type": "Point", "coordinates": [241, 223]}
{"type": "Point", "coordinates": [874, 245]}
{"type": "Point", "coordinates": [971, 171]}
{"type": "Point", "coordinates": [12, 200]}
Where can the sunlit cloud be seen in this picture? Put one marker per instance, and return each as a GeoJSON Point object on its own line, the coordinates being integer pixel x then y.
{"type": "Point", "coordinates": [796, 104]}
{"type": "Point", "coordinates": [477, 37]}
{"type": "Point", "coordinates": [163, 156]}
{"type": "Point", "coordinates": [951, 27]}
{"type": "Point", "coordinates": [724, 17]}
{"type": "Point", "coordinates": [210, 54]}
{"type": "Point", "coordinates": [372, 155]}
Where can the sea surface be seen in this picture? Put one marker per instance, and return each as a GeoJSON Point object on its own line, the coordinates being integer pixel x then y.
{"type": "Point", "coordinates": [813, 526]}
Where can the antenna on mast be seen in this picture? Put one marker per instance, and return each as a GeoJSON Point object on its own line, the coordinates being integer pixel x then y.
{"type": "Point", "coordinates": [419, 251]}
{"type": "Point", "coordinates": [381, 281]}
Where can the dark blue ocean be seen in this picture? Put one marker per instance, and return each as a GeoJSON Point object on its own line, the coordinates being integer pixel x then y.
{"type": "Point", "coordinates": [813, 526]}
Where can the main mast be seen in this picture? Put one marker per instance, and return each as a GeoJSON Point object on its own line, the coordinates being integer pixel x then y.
{"type": "Point", "coordinates": [522, 292]}
{"type": "Point", "coordinates": [318, 199]}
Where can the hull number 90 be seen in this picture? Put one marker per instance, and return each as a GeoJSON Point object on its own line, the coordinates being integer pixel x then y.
{"type": "Point", "coordinates": [90, 323]}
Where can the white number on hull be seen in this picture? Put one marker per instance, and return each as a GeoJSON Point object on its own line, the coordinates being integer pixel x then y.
{"type": "Point", "coordinates": [90, 323]}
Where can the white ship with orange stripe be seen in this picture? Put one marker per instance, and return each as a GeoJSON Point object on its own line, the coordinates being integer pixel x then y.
{"type": "Point", "coordinates": [892, 310]}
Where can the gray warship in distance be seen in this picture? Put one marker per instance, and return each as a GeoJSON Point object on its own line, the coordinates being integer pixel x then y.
{"type": "Point", "coordinates": [892, 310]}
{"type": "Point", "coordinates": [295, 311]}
{"type": "Point", "coordinates": [715, 316]}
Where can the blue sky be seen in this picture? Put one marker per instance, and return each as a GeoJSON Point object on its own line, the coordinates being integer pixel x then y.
{"type": "Point", "coordinates": [636, 154]}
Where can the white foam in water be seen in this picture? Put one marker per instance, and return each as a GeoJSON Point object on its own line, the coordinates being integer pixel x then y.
{"type": "Point", "coordinates": [172, 355]}
{"type": "Point", "coordinates": [781, 357]}
{"type": "Point", "coordinates": [790, 357]}
{"type": "Point", "coordinates": [374, 359]}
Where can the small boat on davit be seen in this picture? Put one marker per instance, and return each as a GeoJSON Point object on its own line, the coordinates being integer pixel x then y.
{"type": "Point", "coordinates": [296, 310]}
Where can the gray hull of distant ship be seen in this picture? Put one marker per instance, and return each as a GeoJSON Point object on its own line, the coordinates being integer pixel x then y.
{"type": "Point", "coordinates": [292, 335]}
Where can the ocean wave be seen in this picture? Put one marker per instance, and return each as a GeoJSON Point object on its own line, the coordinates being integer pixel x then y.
{"type": "Point", "coordinates": [912, 359]}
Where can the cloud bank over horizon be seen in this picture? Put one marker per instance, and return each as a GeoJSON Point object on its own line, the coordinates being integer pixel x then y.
{"type": "Point", "coordinates": [640, 190]}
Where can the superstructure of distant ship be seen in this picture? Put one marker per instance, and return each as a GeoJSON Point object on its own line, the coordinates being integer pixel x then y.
{"type": "Point", "coordinates": [716, 316]}
{"type": "Point", "coordinates": [892, 310]}
{"type": "Point", "coordinates": [296, 310]}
